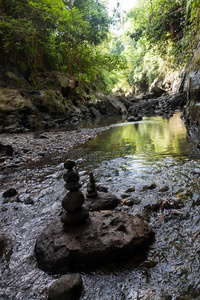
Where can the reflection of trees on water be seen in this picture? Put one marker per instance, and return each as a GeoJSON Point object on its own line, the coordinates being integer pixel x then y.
{"type": "Point", "coordinates": [152, 136]}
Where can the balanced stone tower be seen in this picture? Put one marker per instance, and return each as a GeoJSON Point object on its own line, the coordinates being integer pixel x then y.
{"type": "Point", "coordinates": [91, 187]}
{"type": "Point", "coordinates": [75, 214]}
{"type": "Point", "coordinates": [106, 236]}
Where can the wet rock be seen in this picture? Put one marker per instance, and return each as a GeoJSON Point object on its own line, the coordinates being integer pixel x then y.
{"type": "Point", "coordinates": [184, 195]}
{"type": "Point", "coordinates": [14, 128]}
{"type": "Point", "coordinates": [153, 207]}
{"type": "Point", "coordinates": [75, 217]}
{"type": "Point", "coordinates": [71, 176]}
{"type": "Point", "coordinates": [41, 153]}
{"type": "Point", "coordinates": [152, 186]}
{"type": "Point", "coordinates": [128, 202]}
{"type": "Point", "coordinates": [101, 188]}
{"type": "Point", "coordinates": [2, 244]}
{"type": "Point", "coordinates": [13, 165]}
{"type": "Point", "coordinates": [107, 236]}
{"type": "Point", "coordinates": [175, 215]}
{"type": "Point", "coordinates": [12, 200]}
{"type": "Point", "coordinates": [2, 160]}
{"type": "Point", "coordinates": [103, 201]}
{"type": "Point", "coordinates": [6, 150]}
{"type": "Point", "coordinates": [164, 189]}
{"type": "Point", "coordinates": [10, 193]}
{"type": "Point", "coordinates": [150, 264]}
{"type": "Point", "coordinates": [124, 196]}
{"type": "Point", "coordinates": [67, 287]}
{"type": "Point", "coordinates": [196, 202]}
{"type": "Point", "coordinates": [73, 200]}
{"type": "Point", "coordinates": [172, 204]}
{"type": "Point", "coordinates": [42, 136]}
{"type": "Point", "coordinates": [73, 186]}
{"type": "Point", "coordinates": [91, 187]}
{"type": "Point", "coordinates": [134, 119]}
{"type": "Point", "coordinates": [69, 164]}
{"type": "Point", "coordinates": [136, 200]}
{"type": "Point", "coordinates": [130, 190]}
{"type": "Point", "coordinates": [28, 201]}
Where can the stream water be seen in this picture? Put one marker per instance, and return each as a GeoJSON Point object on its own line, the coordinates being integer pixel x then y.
{"type": "Point", "coordinates": [153, 168]}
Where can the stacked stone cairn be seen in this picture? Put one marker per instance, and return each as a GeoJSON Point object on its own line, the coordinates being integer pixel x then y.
{"type": "Point", "coordinates": [91, 187]}
{"type": "Point", "coordinates": [72, 203]}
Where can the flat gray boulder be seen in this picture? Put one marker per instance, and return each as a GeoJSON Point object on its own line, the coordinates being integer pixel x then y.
{"type": "Point", "coordinates": [106, 236]}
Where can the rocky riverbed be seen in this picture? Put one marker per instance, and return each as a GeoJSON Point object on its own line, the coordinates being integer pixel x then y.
{"type": "Point", "coordinates": [156, 176]}
{"type": "Point", "coordinates": [34, 147]}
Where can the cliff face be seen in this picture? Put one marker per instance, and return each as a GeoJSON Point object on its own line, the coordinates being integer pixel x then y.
{"type": "Point", "coordinates": [51, 100]}
{"type": "Point", "coordinates": [191, 88]}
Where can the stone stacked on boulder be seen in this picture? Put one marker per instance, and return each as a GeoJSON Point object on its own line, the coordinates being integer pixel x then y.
{"type": "Point", "coordinates": [87, 239]}
{"type": "Point", "coordinates": [96, 201]}
{"type": "Point", "coordinates": [73, 201]}
{"type": "Point", "coordinates": [91, 187]}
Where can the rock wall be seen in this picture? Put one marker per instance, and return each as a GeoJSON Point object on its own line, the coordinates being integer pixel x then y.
{"type": "Point", "coordinates": [191, 87]}
{"type": "Point", "coordinates": [53, 100]}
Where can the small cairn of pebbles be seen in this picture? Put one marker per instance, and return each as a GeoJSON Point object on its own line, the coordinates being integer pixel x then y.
{"type": "Point", "coordinates": [72, 203]}
{"type": "Point", "coordinates": [91, 187]}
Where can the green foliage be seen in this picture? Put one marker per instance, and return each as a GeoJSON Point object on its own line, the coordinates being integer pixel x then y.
{"type": "Point", "coordinates": [54, 35]}
{"type": "Point", "coordinates": [73, 36]}
{"type": "Point", "coordinates": [160, 37]}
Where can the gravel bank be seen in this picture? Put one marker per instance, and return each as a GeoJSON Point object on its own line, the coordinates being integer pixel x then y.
{"type": "Point", "coordinates": [32, 147]}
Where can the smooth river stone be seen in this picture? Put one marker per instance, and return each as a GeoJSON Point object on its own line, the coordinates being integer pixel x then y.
{"type": "Point", "coordinates": [73, 186]}
{"type": "Point", "coordinates": [66, 287]}
{"type": "Point", "coordinates": [105, 237]}
{"type": "Point", "coordinates": [74, 217]}
{"type": "Point", "coordinates": [71, 176]}
{"type": "Point", "coordinates": [69, 164]}
{"type": "Point", "coordinates": [73, 201]}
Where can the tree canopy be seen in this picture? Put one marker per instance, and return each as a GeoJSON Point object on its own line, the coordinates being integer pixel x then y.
{"type": "Point", "coordinates": [74, 36]}
{"type": "Point", "coordinates": [54, 35]}
{"type": "Point", "coordinates": [161, 36]}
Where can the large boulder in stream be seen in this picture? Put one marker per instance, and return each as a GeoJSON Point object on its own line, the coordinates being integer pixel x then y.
{"type": "Point", "coordinates": [109, 105]}
{"type": "Point", "coordinates": [107, 236]}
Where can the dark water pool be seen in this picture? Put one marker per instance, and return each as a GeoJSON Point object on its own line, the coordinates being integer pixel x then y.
{"type": "Point", "coordinates": [154, 158]}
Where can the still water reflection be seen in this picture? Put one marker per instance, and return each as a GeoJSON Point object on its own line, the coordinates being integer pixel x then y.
{"type": "Point", "coordinates": [146, 141]}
